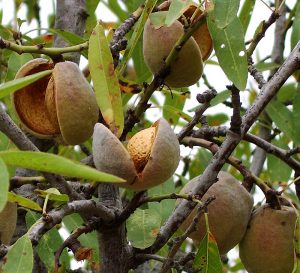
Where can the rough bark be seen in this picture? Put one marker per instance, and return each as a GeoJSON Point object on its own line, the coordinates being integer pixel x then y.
{"type": "Point", "coordinates": [70, 16]}
{"type": "Point", "coordinates": [115, 252]}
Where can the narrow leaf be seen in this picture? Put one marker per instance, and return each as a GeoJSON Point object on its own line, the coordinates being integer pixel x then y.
{"type": "Point", "coordinates": [287, 93]}
{"type": "Point", "coordinates": [282, 117]}
{"type": "Point", "coordinates": [207, 258]}
{"type": "Point", "coordinates": [224, 12]}
{"type": "Point", "coordinates": [143, 226]}
{"type": "Point", "coordinates": [12, 86]}
{"type": "Point", "coordinates": [177, 101]}
{"type": "Point", "coordinates": [105, 82]}
{"type": "Point", "coordinates": [4, 184]}
{"type": "Point", "coordinates": [278, 171]}
{"type": "Point", "coordinates": [23, 201]}
{"type": "Point", "coordinates": [176, 9]}
{"type": "Point", "coordinates": [165, 207]}
{"type": "Point", "coordinates": [230, 50]}
{"type": "Point", "coordinates": [295, 37]}
{"type": "Point", "coordinates": [149, 5]}
{"type": "Point", "coordinates": [55, 164]}
{"type": "Point", "coordinates": [19, 258]}
{"type": "Point", "coordinates": [175, 111]}
{"type": "Point", "coordinates": [71, 38]}
{"type": "Point", "coordinates": [221, 97]}
{"type": "Point", "coordinates": [15, 61]}
{"type": "Point", "coordinates": [246, 13]}
{"type": "Point", "coordinates": [53, 194]}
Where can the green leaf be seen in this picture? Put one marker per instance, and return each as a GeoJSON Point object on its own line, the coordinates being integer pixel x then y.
{"type": "Point", "coordinates": [105, 82]}
{"type": "Point", "coordinates": [217, 119]}
{"type": "Point", "coordinates": [207, 258]}
{"type": "Point", "coordinates": [74, 221]}
{"type": "Point", "coordinates": [15, 61]}
{"type": "Point", "coordinates": [158, 18]}
{"type": "Point", "coordinates": [295, 37]}
{"type": "Point", "coordinates": [199, 163]}
{"type": "Point", "coordinates": [224, 12]}
{"type": "Point", "coordinates": [165, 207]}
{"type": "Point", "coordinates": [176, 9]}
{"type": "Point", "coordinates": [277, 170]}
{"type": "Point", "coordinates": [297, 246]}
{"type": "Point", "coordinates": [143, 226]}
{"type": "Point", "coordinates": [12, 86]}
{"type": "Point", "coordinates": [53, 194]}
{"type": "Point", "coordinates": [174, 111]}
{"type": "Point", "coordinates": [115, 7]}
{"type": "Point", "coordinates": [149, 5]}
{"type": "Point", "coordinates": [287, 93]}
{"type": "Point", "coordinates": [296, 118]}
{"type": "Point", "coordinates": [91, 21]}
{"type": "Point", "coordinates": [176, 100]}
{"type": "Point", "coordinates": [23, 201]}
{"type": "Point", "coordinates": [221, 97]}
{"type": "Point", "coordinates": [4, 184]}
{"type": "Point", "coordinates": [230, 50]}
{"type": "Point", "coordinates": [282, 117]}
{"type": "Point", "coordinates": [48, 244]}
{"type": "Point", "coordinates": [19, 258]}
{"type": "Point", "coordinates": [246, 13]}
{"type": "Point", "coordinates": [55, 164]}
{"type": "Point", "coordinates": [142, 71]}
{"type": "Point", "coordinates": [264, 66]}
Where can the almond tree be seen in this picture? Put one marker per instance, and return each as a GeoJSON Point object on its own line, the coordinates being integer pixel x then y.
{"type": "Point", "coordinates": [63, 161]}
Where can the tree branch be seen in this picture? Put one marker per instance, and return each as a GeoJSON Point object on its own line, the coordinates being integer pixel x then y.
{"type": "Point", "coordinates": [209, 176]}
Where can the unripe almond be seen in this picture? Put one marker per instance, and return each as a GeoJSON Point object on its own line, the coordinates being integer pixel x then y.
{"type": "Point", "coordinates": [187, 69]}
{"type": "Point", "coordinates": [151, 159]}
{"type": "Point", "coordinates": [201, 35]}
{"type": "Point", "coordinates": [228, 214]}
{"type": "Point", "coordinates": [267, 246]}
{"type": "Point", "coordinates": [62, 106]}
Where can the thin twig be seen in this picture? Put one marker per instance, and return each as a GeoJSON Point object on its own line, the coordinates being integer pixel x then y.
{"type": "Point", "coordinates": [205, 99]}
{"type": "Point", "coordinates": [133, 116]}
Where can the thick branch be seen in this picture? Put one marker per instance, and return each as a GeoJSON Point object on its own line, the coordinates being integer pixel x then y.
{"type": "Point", "coordinates": [209, 176]}
{"type": "Point", "coordinates": [55, 217]}
{"type": "Point", "coordinates": [70, 16]}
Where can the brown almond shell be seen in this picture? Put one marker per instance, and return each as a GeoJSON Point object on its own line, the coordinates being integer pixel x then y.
{"type": "Point", "coordinates": [268, 243]}
{"type": "Point", "coordinates": [228, 214]}
{"type": "Point", "coordinates": [29, 101]}
{"type": "Point", "coordinates": [201, 35]}
{"type": "Point", "coordinates": [187, 69]}
{"type": "Point", "coordinates": [164, 157]}
{"type": "Point", "coordinates": [111, 156]}
{"type": "Point", "coordinates": [76, 106]}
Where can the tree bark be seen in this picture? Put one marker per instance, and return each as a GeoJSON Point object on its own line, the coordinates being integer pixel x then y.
{"type": "Point", "coordinates": [115, 252]}
{"type": "Point", "coordinates": [70, 16]}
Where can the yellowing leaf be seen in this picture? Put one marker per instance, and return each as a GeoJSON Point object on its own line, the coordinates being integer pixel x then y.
{"type": "Point", "coordinates": [105, 81]}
